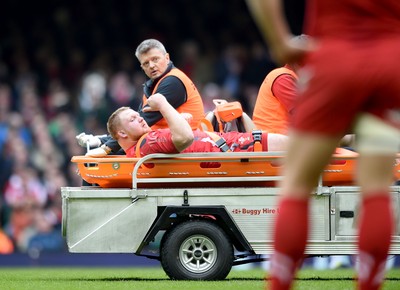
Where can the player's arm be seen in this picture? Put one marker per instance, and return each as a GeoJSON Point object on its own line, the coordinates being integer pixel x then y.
{"type": "Point", "coordinates": [181, 132]}
{"type": "Point", "coordinates": [271, 21]}
{"type": "Point", "coordinates": [174, 92]}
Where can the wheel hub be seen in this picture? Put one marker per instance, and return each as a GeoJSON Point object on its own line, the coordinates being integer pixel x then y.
{"type": "Point", "coordinates": [198, 254]}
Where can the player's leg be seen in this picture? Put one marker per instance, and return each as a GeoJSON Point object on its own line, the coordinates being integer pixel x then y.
{"type": "Point", "coordinates": [275, 142]}
{"type": "Point", "coordinates": [307, 156]}
{"type": "Point", "coordinates": [377, 144]}
{"type": "Point", "coordinates": [375, 222]}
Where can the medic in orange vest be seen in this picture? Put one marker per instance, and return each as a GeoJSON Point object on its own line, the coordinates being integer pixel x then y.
{"type": "Point", "coordinates": [164, 78]}
{"type": "Point", "coordinates": [275, 100]}
{"type": "Point", "coordinates": [191, 100]}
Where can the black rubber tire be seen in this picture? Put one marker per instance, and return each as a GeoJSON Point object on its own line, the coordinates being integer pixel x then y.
{"type": "Point", "coordinates": [197, 250]}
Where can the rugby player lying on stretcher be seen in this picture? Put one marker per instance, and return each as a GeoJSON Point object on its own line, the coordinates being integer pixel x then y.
{"type": "Point", "coordinates": [129, 129]}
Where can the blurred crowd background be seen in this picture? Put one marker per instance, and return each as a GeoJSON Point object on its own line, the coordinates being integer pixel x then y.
{"type": "Point", "coordinates": [65, 65]}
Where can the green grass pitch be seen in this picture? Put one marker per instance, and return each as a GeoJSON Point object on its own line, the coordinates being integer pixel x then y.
{"type": "Point", "coordinates": [38, 278]}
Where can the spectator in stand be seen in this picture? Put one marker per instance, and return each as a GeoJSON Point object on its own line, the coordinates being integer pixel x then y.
{"type": "Point", "coordinates": [5, 112]}
{"type": "Point", "coordinates": [196, 65]}
{"type": "Point", "coordinates": [30, 206]}
{"type": "Point", "coordinates": [121, 91]}
{"type": "Point", "coordinates": [25, 195]}
{"type": "Point", "coordinates": [93, 105]}
{"type": "Point", "coordinates": [257, 66]}
{"type": "Point", "coordinates": [228, 71]}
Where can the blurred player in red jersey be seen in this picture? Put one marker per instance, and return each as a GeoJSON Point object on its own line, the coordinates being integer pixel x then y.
{"type": "Point", "coordinates": [349, 83]}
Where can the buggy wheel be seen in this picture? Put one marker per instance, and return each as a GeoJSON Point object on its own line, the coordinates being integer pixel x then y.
{"type": "Point", "coordinates": [197, 250]}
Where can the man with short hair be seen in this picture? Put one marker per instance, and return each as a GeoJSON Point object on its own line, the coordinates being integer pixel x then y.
{"type": "Point", "coordinates": [275, 100]}
{"type": "Point", "coordinates": [131, 130]}
{"type": "Point", "coordinates": [164, 78]}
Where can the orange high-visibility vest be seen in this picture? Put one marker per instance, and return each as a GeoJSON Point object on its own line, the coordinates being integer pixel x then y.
{"type": "Point", "coordinates": [269, 114]}
{"type": "Point", "coordinates": [193, 104]}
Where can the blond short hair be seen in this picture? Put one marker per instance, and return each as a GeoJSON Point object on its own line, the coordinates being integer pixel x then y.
{"type": "Point", "coordinates": [114, 122]}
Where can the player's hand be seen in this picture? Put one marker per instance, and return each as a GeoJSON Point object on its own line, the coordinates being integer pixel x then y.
{"type": "Point", "coordinates": [292, 50]}
{"type": "Point", "coordinates": [88, 139]}
{"type": "Point", "coordinates": [155, 103]}
{"type": "Point", "coordinates": [188, 117]}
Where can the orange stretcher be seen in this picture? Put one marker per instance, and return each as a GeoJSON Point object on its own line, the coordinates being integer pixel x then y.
{"type": "Point", "coordinates": [205, 170]}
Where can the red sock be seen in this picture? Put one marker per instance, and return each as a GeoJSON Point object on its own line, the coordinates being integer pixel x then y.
{"type": "Point", "coordinates": [291, 231]}
{"type": "Point", "coordinates": [375, 230]}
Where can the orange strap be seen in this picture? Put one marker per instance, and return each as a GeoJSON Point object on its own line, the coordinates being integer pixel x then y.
{"type": "Point", "coordinates": [219, 102]}
{"type": "Point", "coordinates": [221, 129]}
{"type": "Point", "coordinates": [205, 122]}
{"type": "Point", "coordinates": [219, 141]}
{"type": "Point", "coordinates": [257, 138]}
{"type": "Point", "coordinates": [137, 151]}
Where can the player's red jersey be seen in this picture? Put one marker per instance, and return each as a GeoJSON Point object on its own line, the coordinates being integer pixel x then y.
{"type": "Point", "coordinates": [352, 20]}
{"type": "Point", "coordinates": [354, 68]}
{"type": "Point", "coordinates": [160, 141]}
